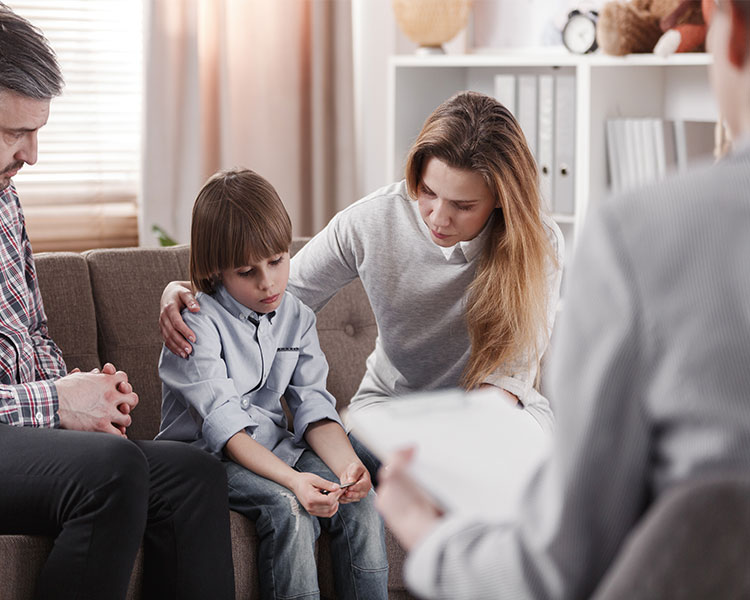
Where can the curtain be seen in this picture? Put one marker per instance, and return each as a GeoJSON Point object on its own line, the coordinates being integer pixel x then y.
{"type": "Point", "coordinates": [260, 84]}
{"type": "Point", "coordinates": [83, 191]}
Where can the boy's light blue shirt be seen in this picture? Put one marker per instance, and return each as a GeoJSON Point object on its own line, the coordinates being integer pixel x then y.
{"type": "Point", "coordinates": [240, 366]}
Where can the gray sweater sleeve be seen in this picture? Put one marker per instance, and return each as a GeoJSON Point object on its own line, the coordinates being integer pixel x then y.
{"type": "Point", "coordinates": [519, 379]}
{"type": "Point", "coordinates": [324, 265]}
{"type": "Point", "coordinates": [579, 507]}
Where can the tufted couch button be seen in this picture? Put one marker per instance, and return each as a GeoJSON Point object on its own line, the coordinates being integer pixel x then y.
{"type": "Point", "coordinates": [349, 330]}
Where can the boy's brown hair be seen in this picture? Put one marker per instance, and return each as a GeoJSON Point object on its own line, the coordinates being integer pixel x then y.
{"type": "Point", "coordinates": [238, 219]}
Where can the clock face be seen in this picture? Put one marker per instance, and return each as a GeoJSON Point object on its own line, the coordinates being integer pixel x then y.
{"type": "Point", "coordinates": [579, 35]}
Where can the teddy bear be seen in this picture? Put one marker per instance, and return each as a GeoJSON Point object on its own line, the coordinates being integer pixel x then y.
{"type": "Point", "coordinates": [659, 26]}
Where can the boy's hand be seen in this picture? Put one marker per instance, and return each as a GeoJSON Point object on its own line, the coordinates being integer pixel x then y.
{"type": "Point", "coordinates": [356, 472]}
{"type": "Point", "coordinates": [309, 489]}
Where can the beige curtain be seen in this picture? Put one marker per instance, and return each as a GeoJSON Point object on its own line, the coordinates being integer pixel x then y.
{"type": "Point", "coordinates": [263, 84]}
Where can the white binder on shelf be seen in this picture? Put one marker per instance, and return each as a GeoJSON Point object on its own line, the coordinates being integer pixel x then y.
{"type": "Point", "coordinates": [546, 139]}
{"type": "Point", "coordinates": [528, 109]}
{"type": "Point", "coordinates": [505, 91]}
{"type": "Point", "coordinates": [648, 157]}
{"type": "Point", "coordinates": [666, 157]}
{"type": "Point", "coordinates": [565, 144]}
{"type": "Point", "coordinates": [614, 149]}
{"type": "Point", "coordinates": [632, 172]}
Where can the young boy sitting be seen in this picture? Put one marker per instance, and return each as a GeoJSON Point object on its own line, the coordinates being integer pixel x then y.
{"type": "Point", "coordinates": [255, 343]}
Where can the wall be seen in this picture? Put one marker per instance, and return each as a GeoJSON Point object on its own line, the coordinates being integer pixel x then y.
{"type": "Point", "coordinates": [376, 37]}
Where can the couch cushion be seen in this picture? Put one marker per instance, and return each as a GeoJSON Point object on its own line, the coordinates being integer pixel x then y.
{"type": "Point", "coordinates": [347, 332]}
{"type": "Point", "coordinates": [127, 284]}
{"type": "Point", "coordinates": [66, 293]}
{"type": "Point", "coordinates": [23, 557]}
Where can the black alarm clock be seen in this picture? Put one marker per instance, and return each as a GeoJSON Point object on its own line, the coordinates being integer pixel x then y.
{"type": "Point", "coordinates": [579, 33]}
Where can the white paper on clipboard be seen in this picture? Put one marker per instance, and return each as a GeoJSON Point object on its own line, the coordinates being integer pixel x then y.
{"type": "Point", "coordinates": [474, 451]}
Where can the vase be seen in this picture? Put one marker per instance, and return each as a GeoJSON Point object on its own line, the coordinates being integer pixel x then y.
{"type": "Point", "coordinates": [431, 23]}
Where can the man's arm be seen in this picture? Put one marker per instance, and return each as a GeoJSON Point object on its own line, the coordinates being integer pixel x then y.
{"type": "Point", "coordinates": [32, 403]}
{"type": "Point", "coordinates": [81, 401]}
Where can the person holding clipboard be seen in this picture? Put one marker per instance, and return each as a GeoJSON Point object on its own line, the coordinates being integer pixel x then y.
{"type": "Point", "coordinates": [649, 379]}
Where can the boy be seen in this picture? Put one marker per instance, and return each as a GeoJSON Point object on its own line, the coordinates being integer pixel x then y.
{"type": "Point", "coordinates": [257, 342]}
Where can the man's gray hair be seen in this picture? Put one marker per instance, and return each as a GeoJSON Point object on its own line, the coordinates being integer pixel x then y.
{"type": "Point", "coordinates": [28, 66]}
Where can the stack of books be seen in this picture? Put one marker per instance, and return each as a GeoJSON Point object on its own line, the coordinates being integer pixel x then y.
{"type": "Point", "coordinates": [641, 150]}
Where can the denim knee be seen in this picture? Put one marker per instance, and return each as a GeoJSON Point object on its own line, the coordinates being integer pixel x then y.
{"type": "Point", "coordinates": [366, 533]}
{"type": "Point", "coordinates": [289, 519]}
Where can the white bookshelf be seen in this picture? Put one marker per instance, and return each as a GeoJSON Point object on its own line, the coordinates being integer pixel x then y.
{"type": "Point", "coordinates": [643, 85]}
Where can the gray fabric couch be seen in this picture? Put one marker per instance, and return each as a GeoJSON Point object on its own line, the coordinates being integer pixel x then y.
{"type": "Point", "coordinates": [102, 306]}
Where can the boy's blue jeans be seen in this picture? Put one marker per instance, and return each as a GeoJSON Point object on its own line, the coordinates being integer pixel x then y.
{"type": "Point", "coordinates": [287, 535]}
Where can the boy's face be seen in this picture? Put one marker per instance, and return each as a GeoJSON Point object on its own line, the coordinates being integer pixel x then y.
{"type": "Point", "coordinates": [259, 286]}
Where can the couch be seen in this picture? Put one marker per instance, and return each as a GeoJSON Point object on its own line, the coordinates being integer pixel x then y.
{"type": "Point", "coordinates": [102, 306]}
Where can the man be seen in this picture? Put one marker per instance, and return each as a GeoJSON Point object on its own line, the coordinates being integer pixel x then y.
{"type": "Point", "coordinates": [66, 466]}
{"type": "Point", "coordinates": [649, 377]}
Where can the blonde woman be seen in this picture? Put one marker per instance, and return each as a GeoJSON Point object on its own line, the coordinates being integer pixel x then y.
{"type": "Point", "coordinates": [459, 261]}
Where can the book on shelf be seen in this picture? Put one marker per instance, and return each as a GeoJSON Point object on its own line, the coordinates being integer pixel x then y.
{"type": "Point", "coordinates": [474, 451]}
{"type": "Point", "coordinates": [641, 150]}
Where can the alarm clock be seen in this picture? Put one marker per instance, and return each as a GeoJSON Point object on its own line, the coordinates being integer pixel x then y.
{"type": "Point", "coordinates": [579, 33]}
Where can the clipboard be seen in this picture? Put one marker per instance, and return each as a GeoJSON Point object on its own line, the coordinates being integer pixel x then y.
{"type": "Point", "coordinates": [475, 452]}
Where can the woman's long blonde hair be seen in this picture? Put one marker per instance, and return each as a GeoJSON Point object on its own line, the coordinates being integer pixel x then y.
{"type": "Point", "coordinates": [506, 310]}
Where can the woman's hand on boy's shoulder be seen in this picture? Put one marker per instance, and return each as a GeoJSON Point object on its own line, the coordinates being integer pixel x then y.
{"type": "Point", "coordinates": [358, 474]}
{"type": "Point", "coordinates": [176, 334]}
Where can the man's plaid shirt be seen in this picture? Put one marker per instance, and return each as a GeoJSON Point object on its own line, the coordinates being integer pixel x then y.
{"type": "Point", "coordinates": [29, 360]}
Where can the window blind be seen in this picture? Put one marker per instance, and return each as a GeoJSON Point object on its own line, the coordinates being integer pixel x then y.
{"type": "Point", "coordinates": [83, 191]}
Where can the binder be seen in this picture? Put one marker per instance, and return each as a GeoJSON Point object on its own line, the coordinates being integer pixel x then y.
{"type": "Point", "coordinates": [630, 143]}
{"type": "Point", "coordinates": [505, 91]}
{"type": "Point", "coordinates": [565, 144]}
{"type": "Point", "coordinates": [527, 110]}
{"type": "Point", "coordinates": [648, 149]}
{"type": "Point", "coordinates": [614, 147]}
{"type": "Point", "coordinates": [546, 137]}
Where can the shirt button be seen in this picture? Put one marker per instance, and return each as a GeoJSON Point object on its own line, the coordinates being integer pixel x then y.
{"type": "Point", "coordinates": [39, 417]}
{"type": "Point", "coordinates": [349, 330]}
{"type": "Point", "coordinates": [244, 403]}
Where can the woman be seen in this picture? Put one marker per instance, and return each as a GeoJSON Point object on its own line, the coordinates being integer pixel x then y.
{"type": "Point", "coordinates": [460, 264]}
